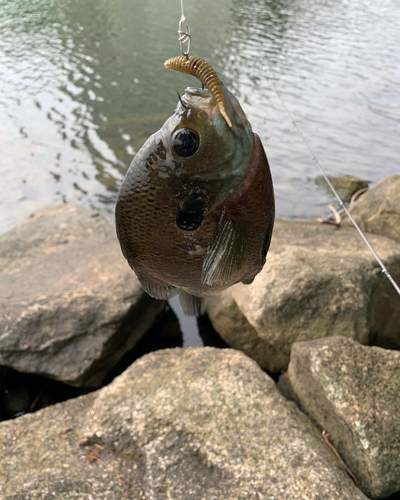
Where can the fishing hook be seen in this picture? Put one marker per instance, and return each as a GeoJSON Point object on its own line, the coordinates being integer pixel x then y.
{"type": "Point", "coordinates": [180, 98]}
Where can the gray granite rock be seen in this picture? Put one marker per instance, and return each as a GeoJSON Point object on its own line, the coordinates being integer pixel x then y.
{"type": "Point", "coordinates": [318, 280]}
{"type": "Point", "coordinates": [378, 210]}
{"type": "Point", "coordinates": [70, 307]}
{"type": "Point", "coordinates": [179, 424]}
{"type": "Point", "coordinates": [345, 186]}
{"type": "Point", "coordinates": [353, 392]}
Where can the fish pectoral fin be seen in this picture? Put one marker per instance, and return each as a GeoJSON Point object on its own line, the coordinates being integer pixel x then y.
{"type": "Point", "coordinates": [226, 254]}
{"type": "Point", "coordinates": [191, 305]}
{"type": "Point", "coordinates": [157, 290]}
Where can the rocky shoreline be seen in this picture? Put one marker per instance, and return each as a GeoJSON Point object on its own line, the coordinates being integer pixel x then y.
{"type": "Point", "coordinates": [206, 422]}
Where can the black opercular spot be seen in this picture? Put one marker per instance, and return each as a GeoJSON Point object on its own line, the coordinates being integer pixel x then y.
{"type": "Point", "coordinates": [185, 142]}
{"type": "Point", "coordinates": [189, 217]}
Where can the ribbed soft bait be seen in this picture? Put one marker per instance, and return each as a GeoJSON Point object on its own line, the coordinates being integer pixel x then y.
{"type": "Point", "coordinates": [205, 73]}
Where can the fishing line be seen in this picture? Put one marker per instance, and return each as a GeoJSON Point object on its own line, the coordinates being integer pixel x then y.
{"type": "Point", "coordinates": [382, 265]}
{"type": "Point", "coordinates": [184, 34]}
{"type": "Point", "coordinates": [184, 37]}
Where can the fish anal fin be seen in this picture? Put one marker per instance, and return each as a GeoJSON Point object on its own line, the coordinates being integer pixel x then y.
{"type": "Point", "coordinates": [227, 253]}
{"type": "Point", "coordinates": [191, 305]}
{"type": "Point", "coordinates": [157, 290]}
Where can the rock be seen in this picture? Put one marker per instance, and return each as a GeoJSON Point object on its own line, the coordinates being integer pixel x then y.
{"type": "Point", "coordinates": [352, 392]}
{"type": "Point", "coordinates": [378, 211]}
{"type": "Point", "coordinates": [70, 307]}
{"type": "Point", "coordinates": [317, 281]}
{"type": "Point", "coordinates": [345, 186]}
{"type": "Point", "coordinates": [178, 424]}
{"type": "Point", "coordinates": [285, 387]}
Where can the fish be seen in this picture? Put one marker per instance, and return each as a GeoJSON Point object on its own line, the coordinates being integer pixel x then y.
{"type": "Point", "coordinates": [195, 211]}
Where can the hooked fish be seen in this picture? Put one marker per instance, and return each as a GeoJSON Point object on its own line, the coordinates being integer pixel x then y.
{"type": "Point", "coordinates": [195, 211]}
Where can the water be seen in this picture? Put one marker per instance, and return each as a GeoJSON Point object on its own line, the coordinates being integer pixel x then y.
{"type": "Point", "coordinates": [82, 85]}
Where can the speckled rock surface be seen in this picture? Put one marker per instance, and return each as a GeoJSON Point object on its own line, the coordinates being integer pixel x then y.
{"type": "Point", "coordinates": [353, 392]}
{"type": "Point", "coordinates": [179, 424]}
{"type": "Point", "coordinates": [317, 281]}
{"type": "Point", "coordinates": [378, 210]}
{"type": "Point", "coordinates": [345, 186]}
{"type": "Point", "coordinates": [70, 307]}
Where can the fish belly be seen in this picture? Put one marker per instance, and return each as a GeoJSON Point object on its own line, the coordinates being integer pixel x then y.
{"type": "Point", "coordinates": [167, 259]}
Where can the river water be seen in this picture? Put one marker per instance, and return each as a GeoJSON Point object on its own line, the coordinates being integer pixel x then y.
{"type": "Point", "coordinates": [82, 85]}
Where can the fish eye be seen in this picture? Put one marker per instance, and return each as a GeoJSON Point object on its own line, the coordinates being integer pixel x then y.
{"type": "Point", "coordinates": [185, 142]}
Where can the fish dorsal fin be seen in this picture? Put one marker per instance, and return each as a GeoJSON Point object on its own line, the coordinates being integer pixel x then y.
{"type": "Point", "coordinates": [226, 254]}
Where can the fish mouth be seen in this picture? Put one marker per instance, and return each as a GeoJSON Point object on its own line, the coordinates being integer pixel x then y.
{"type": "Point", "coordinates": [199, 97]}
{"type": "Point", "coordinates": [198, 92]}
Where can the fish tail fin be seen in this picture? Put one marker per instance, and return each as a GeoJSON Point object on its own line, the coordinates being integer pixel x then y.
{"type": "Point", "coordinates": [191, 305]}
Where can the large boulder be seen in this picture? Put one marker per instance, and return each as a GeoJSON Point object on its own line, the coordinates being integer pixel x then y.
{"type": "Point", "coordinates": [70, 307]}
{"type": "Point", "coordinates": [353, 392]}
{"type": "Point", "coordinates": [178, 424]}
{"type": "Point", "coordinates": [318, 280]}
{"type": "Point", "coordinates": [345, 186]}
{"type": "Point", "coordinates": [378, 211]}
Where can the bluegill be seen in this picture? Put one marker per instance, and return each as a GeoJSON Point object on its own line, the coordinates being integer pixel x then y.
{"type": "Point", "coordinates": [195, 211]}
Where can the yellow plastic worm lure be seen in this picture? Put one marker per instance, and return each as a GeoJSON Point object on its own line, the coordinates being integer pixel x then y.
{"type": "Point", "coordinates": [205, 73]}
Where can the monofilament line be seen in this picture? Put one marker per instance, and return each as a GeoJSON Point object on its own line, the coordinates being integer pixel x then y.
{"type": "Point", "coordinates": [382, 265]}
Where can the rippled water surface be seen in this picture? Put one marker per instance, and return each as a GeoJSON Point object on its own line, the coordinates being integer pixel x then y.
{"type": "Point", "coordinates": [82, 85]}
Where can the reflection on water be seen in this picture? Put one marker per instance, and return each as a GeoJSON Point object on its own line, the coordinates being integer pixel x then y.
{"type": "Point", "coordinates": [337, 65]}
{"type": "Point", "coordinates": [82, 85]}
